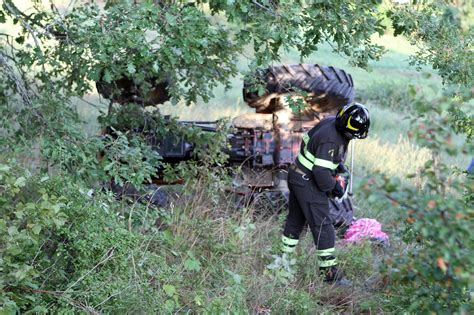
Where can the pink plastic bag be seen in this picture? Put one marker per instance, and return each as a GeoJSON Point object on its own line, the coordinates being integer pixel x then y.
{"type": "Point", "coordinates": [365, 229]}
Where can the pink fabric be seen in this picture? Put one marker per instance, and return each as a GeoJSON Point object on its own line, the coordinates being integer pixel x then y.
{"type": "Point", "coordinates": [365, 229]}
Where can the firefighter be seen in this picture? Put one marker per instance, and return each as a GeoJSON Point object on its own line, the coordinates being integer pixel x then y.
{"type": "Point", "coordinates": [312, 179]}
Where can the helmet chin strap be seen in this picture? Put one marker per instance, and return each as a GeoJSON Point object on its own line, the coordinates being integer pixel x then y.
{"type": "Point", "coordinates": [349, 136]}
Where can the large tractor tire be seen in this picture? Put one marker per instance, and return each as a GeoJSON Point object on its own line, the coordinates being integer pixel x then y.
{"type": "Point", "coordinates": [328, 88]}
{"type": "Point", "coordinates": [125, 90]}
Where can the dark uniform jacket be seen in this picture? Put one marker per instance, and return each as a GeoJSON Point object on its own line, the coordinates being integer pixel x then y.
{"type": "Point", "coordinates": [322, 149]}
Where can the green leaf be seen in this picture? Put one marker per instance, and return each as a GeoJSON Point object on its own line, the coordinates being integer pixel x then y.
{"type": "Point", "coordinates": [9, 308]}
{"type": "Point", "coordinates": [131, 68]}
{"type": "Point", "coordinates": [20, 182]}
{"type": "Point", "coordinates": [156, 67]}
{"type": "Point", "coordinates": [57, 207]}
{"type": "Point", "coordinates": [192, 265]}
{"type": "Point", "coordinates": [20, 40]}
{"type": "Point", "coordinates": [39, 309]}
{"type": "Point", "coordinates": [3, 225]}
{"type": "Point", "coordinates": [4, 168]}
{"type": "Point", "coordinates": [170, 19]}
{"type": "Point", "coordinates": [12, 230]}
{"type": "Point", "coordinates": [88, 23]}
{"type": "Point", "coordinates": [169, 305]}
{"type": "Point", "coordinates": [107, 76]}
{"type": "Point", "coordinates": [236, 277]}
{"type": "Point", "coordinates": [19, 214]}
{"type": "Point", "coordinates": [20, 274]}
{"type": "Point", "coordinates": [169, 290]}
{"type": "Point", "coordinates": [59, 222]}
{"type": "Point", "coordinates": [198, 300]}
{"type": "Point", "coordinates": [2, 17]}
{"type": "Point", "coordinates": [109, 166]}
{"type": "Point", "coordinates": [36, 229]}
{"type": "Point", "coordinates": [94, 74]}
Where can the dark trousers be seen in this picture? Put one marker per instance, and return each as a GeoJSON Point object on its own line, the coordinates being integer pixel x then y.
{"type": "Point", "coordinates": [308, 205]}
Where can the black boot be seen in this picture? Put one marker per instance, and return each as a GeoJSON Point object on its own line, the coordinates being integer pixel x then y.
{"type": "Point", "coordinates": [334, 275]}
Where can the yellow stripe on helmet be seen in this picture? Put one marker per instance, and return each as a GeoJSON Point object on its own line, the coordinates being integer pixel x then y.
{"type": "Point", "coordinates": [350, 126]}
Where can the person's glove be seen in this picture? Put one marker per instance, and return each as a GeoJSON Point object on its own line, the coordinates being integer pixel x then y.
{"type": "Point", "coordinates": [342, 169]}
{"type": "Point", "coordinates": [340, 188]}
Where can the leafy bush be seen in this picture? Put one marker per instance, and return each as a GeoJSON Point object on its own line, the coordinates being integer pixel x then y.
{"type": "Point", "coordinates": [63, 247]}
{"type": "Point", "coordinates": [66, 248]}
{"type": "Point", "coordinates": [434, 273]}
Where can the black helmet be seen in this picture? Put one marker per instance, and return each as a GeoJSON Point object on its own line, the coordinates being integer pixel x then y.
{"type": "Point", "coordinates": [353, 121]}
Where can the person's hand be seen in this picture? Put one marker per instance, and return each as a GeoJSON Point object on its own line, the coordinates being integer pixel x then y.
{"type": "Point", "coordinates": [340, 188]}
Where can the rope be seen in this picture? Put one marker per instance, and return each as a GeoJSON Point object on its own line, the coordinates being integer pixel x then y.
{"type": "Point", "coordinates": [352, 165]}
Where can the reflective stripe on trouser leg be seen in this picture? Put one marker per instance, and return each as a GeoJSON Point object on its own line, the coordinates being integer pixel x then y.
{"type": "Point", "coordinates": [326, 257]}
{"type": "Point", "coordinates": [288, 244]}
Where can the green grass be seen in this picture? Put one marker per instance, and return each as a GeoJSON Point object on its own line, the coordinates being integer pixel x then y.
{"type": "Point", "coordinates": [234, 243]}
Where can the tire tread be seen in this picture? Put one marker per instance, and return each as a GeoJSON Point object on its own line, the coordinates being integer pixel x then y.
{"type": "Point", "coordinates": [335, 85]}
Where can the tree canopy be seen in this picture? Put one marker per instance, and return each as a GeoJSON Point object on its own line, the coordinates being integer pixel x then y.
{"type": "Point", "coordinates": [60, 52]}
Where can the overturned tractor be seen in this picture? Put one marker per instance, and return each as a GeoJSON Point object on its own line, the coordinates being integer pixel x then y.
{"type": "Point", "coordinates": [263, 144]}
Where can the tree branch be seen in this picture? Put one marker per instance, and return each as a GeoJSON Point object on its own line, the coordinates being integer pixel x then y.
{"type": "Point", "coordinates": [23, 19]}
{"type": "Point", "coordinates": [20, 87]}
{"type": "Point", "coordinates": [261, 6]}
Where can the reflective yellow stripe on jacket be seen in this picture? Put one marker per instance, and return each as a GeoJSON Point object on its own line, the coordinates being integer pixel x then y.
{"type": "Point", "coordinates": [308, 160]}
